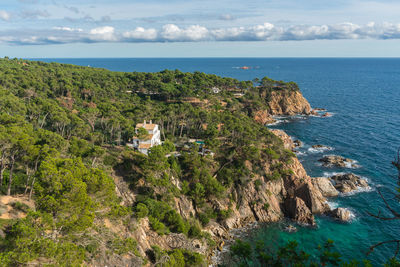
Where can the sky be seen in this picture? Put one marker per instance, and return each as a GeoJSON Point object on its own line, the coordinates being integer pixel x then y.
{"type": "Point", "coordinates": [199, 28]}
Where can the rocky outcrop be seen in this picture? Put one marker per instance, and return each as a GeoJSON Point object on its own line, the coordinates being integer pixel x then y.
{"type": "Point", "coordinates": [341, 214]}
{"type": "Point", "coordinates": [287, 102]}
{"type": "Point", "coordinates": [286, 139]}
{"type": "Point", "coordinates": [325, 186]}
{"type": "Point", "coordinates": [348, 182]}
{"type": "Point", "coordinates": [297, 209]}
{"type": "Point", "coordinates": [147, 238]}
{"type": "Point", "coordinates": [263, 117]}
{"type": "Point", "coordinates": [338, 161]}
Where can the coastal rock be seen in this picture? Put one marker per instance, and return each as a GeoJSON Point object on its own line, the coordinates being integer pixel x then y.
{"type": "Point", "coordinates": [325, 186]}
{"type": "Point", "coordinates": [263, 117]}
{"type": "Point", "coordinates": [297, 210]}
{"type": "Point", "coordinates": [286, 102]}
{"type": "Point", "coordinates": [348, 182]}
{"type": "Point", "coordinates": [184, 206]}
{"type": "Point", "coordinates": [327, 114]}
{"type": "Point", "coordinates": [320, 147]}
{"type": "Point", "coordinates": [297, 143]}
{"type": "Point", "coordinates": [313, 198]}
{"type": "Point", "coordinates": [337, 161]}
{"type": "Point", "coordinates": [341, 214]}
{"type": "Point", "coordinates": [286, 139]}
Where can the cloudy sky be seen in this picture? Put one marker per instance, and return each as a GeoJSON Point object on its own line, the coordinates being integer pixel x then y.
{"type": "Point", "coordinates": [199, 28]}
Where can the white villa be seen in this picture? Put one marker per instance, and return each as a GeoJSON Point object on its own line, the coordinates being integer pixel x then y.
{"type": "Point", "coordinates": [153, 139]}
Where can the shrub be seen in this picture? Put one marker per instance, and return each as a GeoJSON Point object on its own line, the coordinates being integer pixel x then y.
{"type": "Point", "coordinates": [203, 218]}
{"type": "Point", "coordinates": [257, 184]}
{"type": "Point", "coordinates": [266, 206]}
{"type": "Point", "coordinates": [158, 226]}
{"type": "Point", "coordinates": [141, 210]}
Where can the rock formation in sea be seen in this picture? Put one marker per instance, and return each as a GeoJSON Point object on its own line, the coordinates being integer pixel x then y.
{"type": "Point", "coordinates": [283, 102]}
{"type": "Point", "coordinates": [348, 182]}
{"type": "Point", "coordinates": [287, 102]}
{"type": "Point", "coordinates": [338, 161]}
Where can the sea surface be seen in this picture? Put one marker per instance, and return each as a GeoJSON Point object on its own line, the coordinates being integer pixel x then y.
{"type": "Point", "coordinates": [363, 95]}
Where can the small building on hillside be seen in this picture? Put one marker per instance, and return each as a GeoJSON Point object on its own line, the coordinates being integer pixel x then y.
{"type": "Point", "coordinates": [144, 143]}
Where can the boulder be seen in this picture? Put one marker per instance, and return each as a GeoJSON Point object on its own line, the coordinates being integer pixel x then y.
{"type": "Point", "coordinates": [325, 186]}
{"type": "Point", "coordinates": [348, 182]}
{"type": "Point", "coordinates": [327, 114]}
{"type": "Point", "coordinates": [320, 147]}
{"type": "Point", "coordinates": [313, 198]}
{"type": "Point", "coordinates": [337, 161]}
{"type": "Point", "coordinates": [340, 214]}
{"type": "Point", "coordinates": [297, 143]}
{"type": "Point", "coordinates": [297, 210]}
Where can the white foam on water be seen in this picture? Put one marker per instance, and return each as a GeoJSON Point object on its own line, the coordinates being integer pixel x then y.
{"type": "Point", "coordinates": [330, 174]}
{"type": "Point", "coordinates": [357, 191]}
{"type": "Point", "coordinates": [300, 153]}
{"type": "Point", "coordinates": [333, 205]}
{"type": "Point", "coordinates": [320, 149]}
{"type": "Point", "coordinates": [352, 165]}
{"type": "Point", "coordinates": [274, 123]}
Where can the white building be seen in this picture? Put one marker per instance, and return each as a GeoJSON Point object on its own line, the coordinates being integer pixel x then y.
{"type": "Point", "coordinates": [152, 139]}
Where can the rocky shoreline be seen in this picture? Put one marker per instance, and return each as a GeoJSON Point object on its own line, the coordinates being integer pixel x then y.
{"type": "Point", "coordinates": [302, 196]}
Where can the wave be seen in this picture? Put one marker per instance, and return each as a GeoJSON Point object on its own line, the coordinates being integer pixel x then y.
{"type": "Point", "coordinates": [319, 149]}
{"type": "Point", "coordinates": [357, 191]}
{"type": "Point", "coordinates": [332, 205]}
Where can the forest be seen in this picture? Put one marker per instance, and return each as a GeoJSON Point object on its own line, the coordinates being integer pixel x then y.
{"type": "Point", "coordinates": [64, 132]}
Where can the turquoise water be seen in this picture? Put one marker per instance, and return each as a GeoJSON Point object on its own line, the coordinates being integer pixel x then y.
{"type": "Point", "coordinates": [363, 94]}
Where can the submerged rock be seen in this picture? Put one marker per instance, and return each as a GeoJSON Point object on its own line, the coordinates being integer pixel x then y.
{"type": "Point", "coordinates": [325, 186]}
{"type": "Point", "coordinates": [338, 161]}
{"type": "Point", "coordinates": [341, 214]}
{"type": "Point", "coordinates": [348, 182]}
{"type": "Point", "coordinates": [320, 147]}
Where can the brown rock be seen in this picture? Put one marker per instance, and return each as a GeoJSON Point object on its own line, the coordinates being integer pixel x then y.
{"type": "Point", "coordinates": [341, 214]}
{"type": "Point", "coordinates": [297, 143]}
{"type": "Point", "coordinates": [312, 198]}
{"type": "Point", "coordinates": [327, 114]}
{"type": "Point", "coordinates": [286, 139]}
{"type": "Point", "coordinates": [285, 102]}
{"type": "Point", "coordinates": [263, 117]}
{"type": "Point", "coordinates": [325, 186]}
{"type": "Point", "coordinates": [297, 210]}
{"type": "Point", "coordinates": [348, 182]}
{"type": "Point", "coordinates": [337, 161]}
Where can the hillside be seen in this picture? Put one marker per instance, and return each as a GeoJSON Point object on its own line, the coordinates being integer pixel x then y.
{"type": "Point", "coordinates": [64, 132]}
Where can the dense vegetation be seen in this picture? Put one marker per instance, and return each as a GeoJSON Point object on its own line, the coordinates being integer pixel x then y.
{"type": "Point", "coordinates": [63, 131]}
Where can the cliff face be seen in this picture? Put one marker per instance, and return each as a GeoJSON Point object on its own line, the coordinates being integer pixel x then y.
{"type": "Point", "coordinates": [285, 102]}
{"type": "Point", "coordinates": [293, 196]}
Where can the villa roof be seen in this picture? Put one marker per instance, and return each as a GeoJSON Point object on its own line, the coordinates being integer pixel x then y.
{"type": "Point", "coordinates": [147, 126]}
{"type": "Point", "coordinates": [147, 137]}
{"type": "Point", "coordinates": [144, 146]}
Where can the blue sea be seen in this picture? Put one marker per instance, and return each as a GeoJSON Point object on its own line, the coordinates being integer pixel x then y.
{"type": "Point", "coordinates": [364, 97]}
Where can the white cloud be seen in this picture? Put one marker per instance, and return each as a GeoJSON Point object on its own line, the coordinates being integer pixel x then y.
{"type": "Point", "coordinates": [105, 33]}
{"type": "Point", "coordinates": [4, 15]}
{"type": "Point", "coordinates": [141, 33]}
{"type": "Point", "coordinates": [172, 32]}
{"type": "Point", "coordinates": [68, 29]}
{"type": "Point", "coordinates": [197, 33]}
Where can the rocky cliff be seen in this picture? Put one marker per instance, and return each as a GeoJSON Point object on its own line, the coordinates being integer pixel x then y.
{"type": "Point", "coordinates": [282, 102]}
{"type": "Point", "coordinates": [287, 102]}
